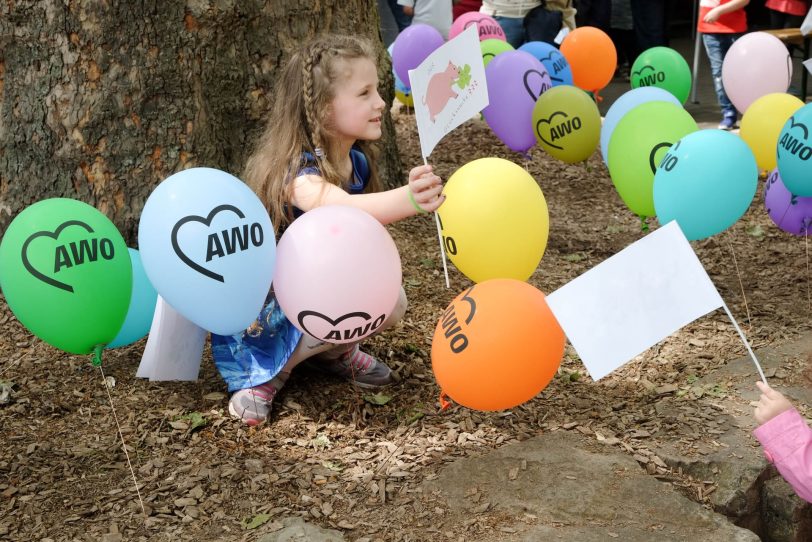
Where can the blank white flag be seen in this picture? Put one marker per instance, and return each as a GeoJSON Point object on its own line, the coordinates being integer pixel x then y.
{"type": "Point", "coordinates": [633, 300]}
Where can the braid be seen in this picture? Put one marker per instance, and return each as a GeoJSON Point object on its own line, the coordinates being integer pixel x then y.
{"type": "Point", "coordinates": [312, 124]}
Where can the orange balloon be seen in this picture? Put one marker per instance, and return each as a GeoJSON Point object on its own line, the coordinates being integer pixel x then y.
{"type": "Point", "coordinates": [497, 345]}
{"type": "Point", "coordinates": [591, 56]}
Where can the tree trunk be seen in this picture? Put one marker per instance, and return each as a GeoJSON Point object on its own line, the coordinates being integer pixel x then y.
{"type": "Point", "coordinates": [102, 100]}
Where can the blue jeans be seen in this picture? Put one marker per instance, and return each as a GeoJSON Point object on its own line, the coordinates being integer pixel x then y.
{"type": "Point", "coordinates": [716, 46]}
{"type": "Point", "coordinates": [513, 28]}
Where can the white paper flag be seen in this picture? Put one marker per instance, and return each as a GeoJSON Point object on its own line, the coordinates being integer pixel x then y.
{"type": "Point", "coordinates": [174, 348]}
{"type": "Point", "coordinates": [633, 300]}
{"type": "Point", "coordinates": [448, 88]}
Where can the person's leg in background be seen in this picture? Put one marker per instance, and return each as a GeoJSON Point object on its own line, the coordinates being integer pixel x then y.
{"type": "Point", "coordinates": [649, 23]}
{"type": "Point", "coordinates": [513, 28]}
{"type": "Point", "coordinates": [716, 46]}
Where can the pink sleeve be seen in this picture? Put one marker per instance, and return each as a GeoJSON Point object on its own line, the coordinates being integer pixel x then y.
{"type": "Point", "coordinates": [787, 442]}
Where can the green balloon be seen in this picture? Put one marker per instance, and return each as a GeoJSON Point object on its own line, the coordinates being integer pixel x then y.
{"type": "Point", "coordinates": [665, 68]}
{"type": "Point", "coordinates": [66, 274]}
{"type": "Point", "coordinates": [492, 47]}
{"type": "Point", "coordinates": [639, 142]}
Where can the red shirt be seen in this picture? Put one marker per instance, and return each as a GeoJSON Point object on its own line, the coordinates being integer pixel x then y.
{"type": "Point", "coordinates": [792, 7]}
{"type": "Point", "coordinates": [734, 22]}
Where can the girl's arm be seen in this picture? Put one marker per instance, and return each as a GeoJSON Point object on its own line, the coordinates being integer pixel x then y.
{"type": "Point", "coordinates": [310, 191]}
{"type": "Point", "coordinates": [786, 438]}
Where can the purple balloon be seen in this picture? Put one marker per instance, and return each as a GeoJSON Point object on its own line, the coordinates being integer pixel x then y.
{"type": "Point", "coordinates": [515, 80]}
{"type": "Point", "coordinates": [412, 46]}
{"type": "Point", "coordinates": [791, 213]}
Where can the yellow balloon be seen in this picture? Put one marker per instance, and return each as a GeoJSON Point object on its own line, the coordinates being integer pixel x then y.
{"type": "Point", "coordinates": [567, 123]}
{"type": "Point", "coordinates": [762, 123]}
{"type": "Point", "coordinates": [494, 220]}
{"type": "Point", "coordinates": [405, 98]}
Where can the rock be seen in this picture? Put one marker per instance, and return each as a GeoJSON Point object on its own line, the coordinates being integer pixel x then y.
{"type": "Point", "coordinates": [295, 529]}
{"type": "Point", "coordinates": [784, 516]}
{"type": "Point", "coordinates": [575, 493]}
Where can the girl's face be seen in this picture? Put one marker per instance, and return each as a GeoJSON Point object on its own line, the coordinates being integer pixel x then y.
{"type": "Point", "coordinates": [357, 107]}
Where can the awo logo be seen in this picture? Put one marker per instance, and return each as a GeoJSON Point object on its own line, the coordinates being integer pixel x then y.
{"type": "Point", "coordinates": [72, 254]}
{"type": "Point", "coordinates": [652, 156]}
{"type": "Point", "coordinates": [536, 83]}
{"type": "Point", "coordinates": [222, 243]}
{"type": "Point", "coordinates": [558, 125]}
{"type": "Point", "coordinates": [793, 143]}
{"type": "Point", "coordinates": [648, 76]}
{"type": "Point", "coordinates": [353, 325]}
{"type": "Point", "coordinates": [486, 27]}
{"type": "Point", "coordinates": [452, 327]}
{"type": "Point", "coordinates": [557, 62]}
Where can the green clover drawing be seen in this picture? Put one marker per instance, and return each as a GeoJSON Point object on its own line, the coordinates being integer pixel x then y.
{"type": "Point", "coordinates": [464, 77]}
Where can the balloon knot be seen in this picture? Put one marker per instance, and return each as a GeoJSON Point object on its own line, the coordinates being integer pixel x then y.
{"type": "Point", "coordinates": [444, 402]}
{"type": "Point", "coordinates": [97, 355]}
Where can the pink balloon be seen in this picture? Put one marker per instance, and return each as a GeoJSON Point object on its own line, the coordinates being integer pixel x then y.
{"type": "Point", "coordinates": [488, 27]}
{"type": "Point", "coordinates": [337, 274]}
{"type": "Point", "coordinates": [756, 64]}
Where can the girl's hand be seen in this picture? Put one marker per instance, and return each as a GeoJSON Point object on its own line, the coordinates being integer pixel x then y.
{"type": "Point", "coordinates": [426, 188]}
{"type": "Point", "coordinates": [770, 405]}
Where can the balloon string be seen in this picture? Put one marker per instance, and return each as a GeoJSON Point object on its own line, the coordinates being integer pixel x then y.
{"type": "Point", "coordinates": [739, 275]}
{"type": "Point", "coordinates": [806, 246]}
{"type": "Point", "coordinates": [123, 444]}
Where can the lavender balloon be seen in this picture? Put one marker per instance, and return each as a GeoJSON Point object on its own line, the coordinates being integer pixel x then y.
{"type": "Point", "coordinates": [412, 46]}
{"type": "Point", "coordinates": [515, 80]}
{"type": "Point", "coordinates": [791, 213]}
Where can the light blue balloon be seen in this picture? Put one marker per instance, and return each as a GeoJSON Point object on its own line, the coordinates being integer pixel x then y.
{"type": "Point", "coordinates": [142, 306]}
{"type": "Point", "coordinates": [208, 248]}
{"type": "Point", "coordinates": [625, 103]}
{"type": "Point", "coordinates": [706, 182]}
{"type": "Point", "coordinates": [549, 55]}
{"type": "Point", "coordinates": [795, 151]}
{"type": "Point", "coordinates": [399, 85]}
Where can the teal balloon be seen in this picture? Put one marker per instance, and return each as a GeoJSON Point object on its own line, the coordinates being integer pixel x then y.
{"type": "Point", "coordinates": [794, 157]}
{"type": "Point", "coordinates": [705, 182]}
{"type": "Point", "coordinates": [143, 299]}
{"type": "Point", "coordinates": [66, 274]}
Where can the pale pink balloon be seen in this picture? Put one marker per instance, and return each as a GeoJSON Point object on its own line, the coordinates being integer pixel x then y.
{"type": "Point", "coordinates": [755, 65]}
{"type": "Point", "coordinates": [338, 273]}
{"type": "Point", "coordinates": [487, 26]}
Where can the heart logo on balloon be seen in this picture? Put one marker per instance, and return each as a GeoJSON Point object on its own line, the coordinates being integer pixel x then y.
{"type": "Point", "coordinates": [84, 249]}
{"type": "Point", "coordinates": [652, 162]}
{"type": "Point", "coordinates": [238, 238]}
{"type": "Point", "coordinates": [801, 125]}
{"type": "Point", "coordinates": [549, 122]}
{"type": "Point", "coordinates": [357, 325]}
{"type": "Point", "coordinates": [485, 26]}
{"type": "Point", "coordinates": [558, 64]}
{"type": "Point", "coordinates": [542, 80]}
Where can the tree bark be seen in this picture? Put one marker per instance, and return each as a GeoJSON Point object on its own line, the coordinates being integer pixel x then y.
{"type": "Point", "coordinates": [102, 100]}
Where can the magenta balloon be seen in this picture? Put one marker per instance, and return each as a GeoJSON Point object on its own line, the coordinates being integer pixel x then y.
{"type": "Point", "coordinates": [755, 65]}
{"type": "Point", "coordinates": [515, 81]}
{"type": "Point", "coordinates": [793, 214]}
{"type": "Point", "coordinates": [411, 48]}
{"type": "Point", "coordinates": [337, 273]}
{"type": "Point", "coordinates": [488, 28]}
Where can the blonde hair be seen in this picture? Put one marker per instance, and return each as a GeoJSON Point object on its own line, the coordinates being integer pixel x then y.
{"type": "Point", "coordinates": [300, 121]}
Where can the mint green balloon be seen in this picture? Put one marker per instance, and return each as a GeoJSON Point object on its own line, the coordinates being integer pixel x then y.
{"type": "Point", "coordinates": [66, 274]}
{"type": "Point", "coordinates": [639, 142]}
{"type": "Point", "coordinates": [492, 47]}
{"type": "Point", "coordinates": [665, 68]}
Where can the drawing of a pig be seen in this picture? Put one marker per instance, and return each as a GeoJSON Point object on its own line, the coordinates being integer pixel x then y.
{"type": "Point", "coordinates": [439, 90]}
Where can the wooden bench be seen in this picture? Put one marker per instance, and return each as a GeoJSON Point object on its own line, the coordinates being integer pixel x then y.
{"type": "Point", "coordinates": [793, 36]}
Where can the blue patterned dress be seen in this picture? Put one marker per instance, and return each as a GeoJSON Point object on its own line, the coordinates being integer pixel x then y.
{"type": "Point", "coordinates": [257, 354]}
